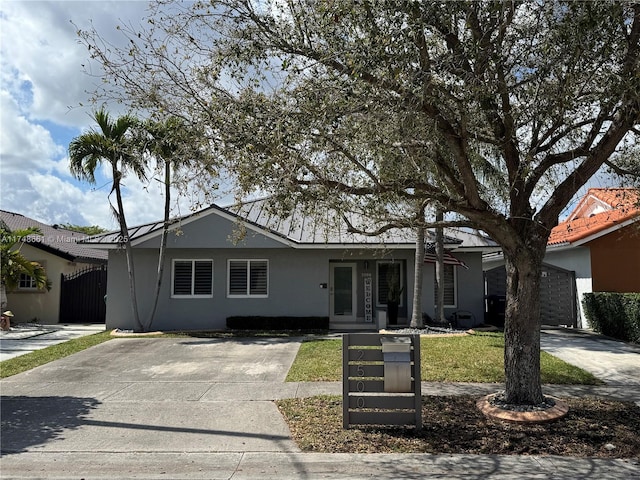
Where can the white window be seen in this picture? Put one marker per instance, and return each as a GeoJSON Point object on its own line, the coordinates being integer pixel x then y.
{"type": "Point", "coordinates": [192, 278]}
{"type": "Point", "coordinates": [450, 287]}
{"type": "Point", "coordinates": [390, 280]}
{"type": "Point", "coordinates": [27, 282]}
{"type": "Point", "coordinates": [248, 278]}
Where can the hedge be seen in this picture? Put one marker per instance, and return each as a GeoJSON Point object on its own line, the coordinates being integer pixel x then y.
{"type": "Point", "coordinates": [278, 323]}
{"type": "Point", "coordinates": [614, 314]}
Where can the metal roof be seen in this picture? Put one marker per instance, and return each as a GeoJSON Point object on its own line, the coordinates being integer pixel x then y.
{"type": "Point", "coordinates": [299, 229]}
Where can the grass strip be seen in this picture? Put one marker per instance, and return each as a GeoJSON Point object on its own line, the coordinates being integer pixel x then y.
{"type": "Point", "coordinates": [465, 358]}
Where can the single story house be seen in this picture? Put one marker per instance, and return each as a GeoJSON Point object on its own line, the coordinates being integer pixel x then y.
{"type": "Point", "coordinates": [77, 275]}
{"type": "Point", "coordinates": [245, 261]}
{"type": "Point", "coordinates": [596, 249]}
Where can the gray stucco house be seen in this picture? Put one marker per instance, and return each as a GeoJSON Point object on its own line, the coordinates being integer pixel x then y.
{"type": "Point", "coordinates": [244, 261]}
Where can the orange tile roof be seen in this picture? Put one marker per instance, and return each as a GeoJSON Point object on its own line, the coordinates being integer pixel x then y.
{"type": "Point", "coordinates": [624, 203]}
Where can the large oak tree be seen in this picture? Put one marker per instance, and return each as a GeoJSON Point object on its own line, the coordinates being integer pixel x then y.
{"type": "Point", "coordinates": [497, 111]}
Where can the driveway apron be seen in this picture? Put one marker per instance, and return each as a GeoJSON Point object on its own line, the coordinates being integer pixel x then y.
{"type": "Point", "coordinates": [613, 361]}
{"type": "Point", "coordinates": [153, 395]}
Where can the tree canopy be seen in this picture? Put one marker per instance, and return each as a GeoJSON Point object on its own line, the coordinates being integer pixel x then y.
{"type": "Point", "coordinates": [499, 111]}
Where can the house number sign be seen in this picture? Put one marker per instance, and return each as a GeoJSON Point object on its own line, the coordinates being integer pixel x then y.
{"type": "Point", "coordinates": [365, 400]}
{"type": "Point", "coordinates": [368, 307]}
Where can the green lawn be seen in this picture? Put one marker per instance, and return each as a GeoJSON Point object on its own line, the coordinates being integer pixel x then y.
{"type": "Point", "coordinates": [469, 358]}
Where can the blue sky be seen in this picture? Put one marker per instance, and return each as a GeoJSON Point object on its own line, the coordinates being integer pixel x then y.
{"type": "Point", "coordinates": [42, 85]}
{"type": "Point", "coordinates": [42, 88]}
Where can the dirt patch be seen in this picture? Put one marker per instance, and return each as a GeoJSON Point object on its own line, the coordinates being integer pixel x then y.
{"type": "Point", "coordinates": [593, 428]}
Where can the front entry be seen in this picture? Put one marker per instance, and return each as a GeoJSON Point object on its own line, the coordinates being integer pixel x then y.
{"type": "Point", "coordinates": [343, 293]}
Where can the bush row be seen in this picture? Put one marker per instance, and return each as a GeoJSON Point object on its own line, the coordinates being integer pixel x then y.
{"type": "Point", "coordinates": [278, 323]}
{"type": "Point", "coordinates": [614, 314]}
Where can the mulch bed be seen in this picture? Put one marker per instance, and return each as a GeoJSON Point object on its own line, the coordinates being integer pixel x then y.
{"type": "Point", "coordinates": [593, 428]}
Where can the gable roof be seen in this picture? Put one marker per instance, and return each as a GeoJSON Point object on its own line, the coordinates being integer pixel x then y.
{"type": "Point", "coordinates": [55, 240]}
{"type": "Point", "coordinates": [296, 230]}
{"type": "Point", "coordinates": [598, 212]}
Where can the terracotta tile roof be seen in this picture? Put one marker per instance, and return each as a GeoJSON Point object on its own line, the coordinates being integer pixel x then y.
{"type": "Point", "coordinates": [616, 205]}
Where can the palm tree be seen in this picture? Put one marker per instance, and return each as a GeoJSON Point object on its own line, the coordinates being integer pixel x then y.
{"type": "Point", "coordinates": [111, 142]}
{"type": "Point", "coordinates": [13, 264]}
{"type": "Point", "coordinates": [174, 145]}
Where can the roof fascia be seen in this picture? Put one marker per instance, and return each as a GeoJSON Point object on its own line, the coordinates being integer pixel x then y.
{"type": "Point", "coordinates": [53, 251]}
{"type": "Point", "coordinates": [607, 231]}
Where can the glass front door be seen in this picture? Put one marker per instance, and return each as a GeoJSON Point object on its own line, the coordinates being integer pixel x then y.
{"type": "Point", "coordinates": [343, 292]}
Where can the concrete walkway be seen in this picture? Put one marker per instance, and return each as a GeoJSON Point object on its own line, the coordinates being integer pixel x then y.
{"type": "Point", "coordinates": [25, 338]}
{"type": "Point", "coordinates": [203, 408]}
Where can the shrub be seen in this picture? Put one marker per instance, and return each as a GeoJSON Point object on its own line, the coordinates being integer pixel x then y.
{"type": "Point", "coordinates": [614, 314]}
{"type": "Point", "coordinates": [278, 323]}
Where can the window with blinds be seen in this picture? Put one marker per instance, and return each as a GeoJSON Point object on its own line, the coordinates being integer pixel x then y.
{"type": "Point", "coordinates": [248, 278]}
{"type": "Point", "coordinates": [450, 294]}
{"type": "Point", "coordinates": [192, 278]}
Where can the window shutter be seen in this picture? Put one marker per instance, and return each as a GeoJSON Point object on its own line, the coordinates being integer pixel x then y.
{"type": "Point", "coordinates": [202, 278]}
{"type": "Point", "coordinates": [182, 277]}
{"type": "Point", "coordinates": [449, 286]}
{"type": "Point", "coordinates": [258, 280]}
{"type": "Point", "coordinates": [237, 277]}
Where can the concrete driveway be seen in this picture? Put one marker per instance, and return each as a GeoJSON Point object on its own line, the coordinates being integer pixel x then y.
{"type": "Point", "coordinates": [202, 409]}
{"type": "Point", "coordinates": [614, 362]}
{"type": "Point", "coordinates": [152, 395]}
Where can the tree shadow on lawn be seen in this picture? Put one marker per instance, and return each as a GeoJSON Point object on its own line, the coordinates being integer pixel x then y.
{"type": "Point", "coordinates": [30, 421]}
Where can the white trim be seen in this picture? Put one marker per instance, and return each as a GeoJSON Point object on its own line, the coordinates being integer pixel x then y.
{"type": "Point", "coordinates": [248, 294]}
{"type": "Point", "coordinates": [338, 319]}
{"type": "Point", "coordinates": [193, 272]}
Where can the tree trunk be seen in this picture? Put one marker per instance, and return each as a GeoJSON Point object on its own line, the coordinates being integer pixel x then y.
{"type": "Point", "coordinates": [124, 232]}
{"type": "Point", "coordinates": [163, 242]}
{"type": "Point", "coordinates": [440, 271]}
{"type": "Point", "coordinates": [522, 327]}
{"type": "Point", "coordinates": [416, 315]}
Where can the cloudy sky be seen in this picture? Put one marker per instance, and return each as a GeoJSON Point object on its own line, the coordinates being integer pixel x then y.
{"type": "Point", "coordinates": [42, 86]}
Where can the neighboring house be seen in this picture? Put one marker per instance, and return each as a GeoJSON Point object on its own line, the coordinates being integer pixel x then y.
{"type": "Point", "coordinates": [77, 275]}
{"type": "Point", "coordinates": [596, 249]}
{"type": "Point", "coordinates": [243, 261]}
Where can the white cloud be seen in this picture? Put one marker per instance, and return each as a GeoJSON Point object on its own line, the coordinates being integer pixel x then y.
{"type": "Point", "coordinates": [24, 145]}
{"type": "Point", "coordinates": [41, 76]}
{"type": "Point", "coordinates": [40, 48]}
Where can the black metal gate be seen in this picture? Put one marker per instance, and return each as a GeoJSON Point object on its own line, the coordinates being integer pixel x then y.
{"type": "Point", "coordinates": [82, 296]}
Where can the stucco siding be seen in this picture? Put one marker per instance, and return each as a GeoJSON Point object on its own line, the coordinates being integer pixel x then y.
{"type": "Point", "coordinates": [469, 288]}
{"type": "Point", "coordinates": [295, 280]}
{"type": "Point", "coordinates": [615, 261]}
{"type": "Point", "coordinates": [214, 231]}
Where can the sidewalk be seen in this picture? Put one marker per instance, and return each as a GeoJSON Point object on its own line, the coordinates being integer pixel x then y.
{"type": "Point", "coordinates": [25, 338]}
